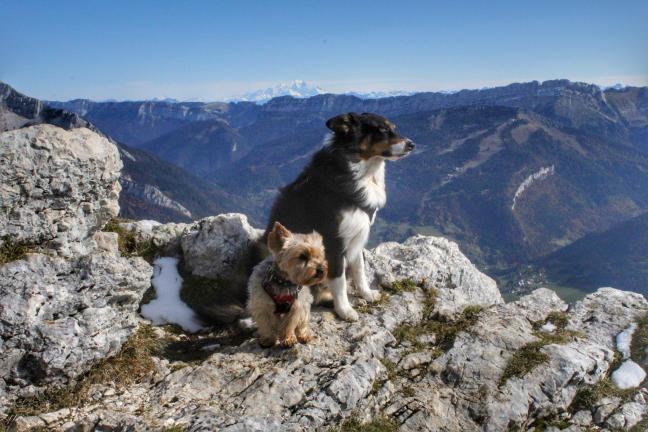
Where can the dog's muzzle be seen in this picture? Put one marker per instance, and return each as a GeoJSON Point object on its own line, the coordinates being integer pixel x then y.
{"type": "Point", "coordinates": [401, 149]}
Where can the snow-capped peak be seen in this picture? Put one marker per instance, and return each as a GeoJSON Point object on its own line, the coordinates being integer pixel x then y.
{"type": "Point", "coordinates": [297, 89]}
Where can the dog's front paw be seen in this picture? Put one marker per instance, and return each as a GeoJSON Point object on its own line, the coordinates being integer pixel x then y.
{"type": "Point", "coordinates": [370, 295]}
{"type": "Point", "coordinates": [289, 342]}
{"type": "Point", "coordinates": [305, 336]}
{"type": "Point", "coordinates": [347, 313]}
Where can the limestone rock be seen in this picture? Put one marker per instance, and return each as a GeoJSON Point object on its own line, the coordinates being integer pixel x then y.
{"type": "Point", "coordinates": [440, 264]}
{"type": "Point", "coordinates": [219, 246]}
{"type": "Point", "coordinates": [57, 186]}
{"type": "Point", "coordinates": [58, 316]}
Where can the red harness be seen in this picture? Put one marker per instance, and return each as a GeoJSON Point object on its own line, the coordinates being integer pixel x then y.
{"type": "Point", "coordinates": [289, 291]}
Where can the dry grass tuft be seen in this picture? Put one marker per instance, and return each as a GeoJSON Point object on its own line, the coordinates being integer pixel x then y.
{"type": "Point", "coordinates": [530, 355]}
{"type": "Point", "coordinates": [129, 245]}
{"type": "Point", "coordinates": [380, 424]}
{"type": "Point", "coordinates": [11, 250]}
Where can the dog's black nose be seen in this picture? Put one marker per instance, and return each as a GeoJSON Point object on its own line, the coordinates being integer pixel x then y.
{"type": "Point", "coordinates": [409, 145]}
{"type": "Point", "coordinates": [319, 271]}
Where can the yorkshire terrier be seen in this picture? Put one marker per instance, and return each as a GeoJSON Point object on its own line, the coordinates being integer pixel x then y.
{"type": "Point", "coordinates": [279, 288]}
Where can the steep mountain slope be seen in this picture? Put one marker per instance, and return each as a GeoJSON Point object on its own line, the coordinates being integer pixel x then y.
{"type": "Point", "coordinates": [513, 185]}
{"type": "Point", "coordinates": [155, 189]}
{"type": "Point", "coordinates": [152, 188]}
{"type": "Point", "coordinates": [201, 147]}
{"type": "Point", "coordinates": [616, 257]}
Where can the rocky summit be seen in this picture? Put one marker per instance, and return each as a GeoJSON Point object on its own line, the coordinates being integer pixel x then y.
{"type": "Point", "coordinates": [440, 350]}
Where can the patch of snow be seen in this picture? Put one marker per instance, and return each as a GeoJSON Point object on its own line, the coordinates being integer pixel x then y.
{"type": "Point", "coordinates": [541, 174]}
{"type": "Point", "coordinates": [548, 328]}
{"type": "Point", "coordinates": [623, 340]}
{"type": "Point", "coordinates": [384, 94]}
{"type": "Point", "coordinates": [628, 375]}
{"type": "Point", "coordinates": [168, 308]}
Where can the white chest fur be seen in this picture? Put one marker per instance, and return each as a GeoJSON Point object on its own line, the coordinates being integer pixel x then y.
{"type": "Point", "coordinates": [354, 231]}
{"type": "Point", "coordinates": [370, 180]}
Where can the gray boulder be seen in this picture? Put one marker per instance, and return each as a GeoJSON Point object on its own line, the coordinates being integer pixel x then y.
{"type": "Point", "coordinates": [219, 247]}
{"type": "Point", "coordinates": [57, 186]}
{"type": "Point", "coordinates": [73, 300]}
{"type": "Point", "coordinates": [440, 264]}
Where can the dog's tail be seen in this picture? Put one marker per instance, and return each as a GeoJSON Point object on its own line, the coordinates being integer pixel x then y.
{"type": "Point", "coordinates": [222, 314]}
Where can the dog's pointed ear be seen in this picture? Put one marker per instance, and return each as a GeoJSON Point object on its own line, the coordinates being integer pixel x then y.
{"type": "Point", "coordinates": [344, 123]}
{"type": "Point", "coordinates": [277, 237]}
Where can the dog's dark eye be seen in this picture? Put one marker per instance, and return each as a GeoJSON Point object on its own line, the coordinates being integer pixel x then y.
{"type": "Point", "coordinates": [384, 131]}
{"type": "Point", "coordinates": [304, 257]}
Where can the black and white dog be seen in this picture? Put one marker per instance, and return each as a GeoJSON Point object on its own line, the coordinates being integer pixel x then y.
{"type": "Point", "coordinates": [338, 195]}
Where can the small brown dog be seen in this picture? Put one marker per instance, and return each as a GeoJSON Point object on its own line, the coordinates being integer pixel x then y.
{"type": "Point", "coordinates": [279, 295]}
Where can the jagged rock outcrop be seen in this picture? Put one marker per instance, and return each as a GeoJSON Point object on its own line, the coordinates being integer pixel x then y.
{"type": "Point", "coordinates": [58, 316]}
{"type": "Point", "coordinates": [68, 298]}
{"type": "Point", "coordinates": [440, 351]}
{"type": "Point", "coordinates": [438, 261]}
{"type": "Point", "coordinates": [57, 186]}
{"type": "Point", "coordinates": [436, 356]}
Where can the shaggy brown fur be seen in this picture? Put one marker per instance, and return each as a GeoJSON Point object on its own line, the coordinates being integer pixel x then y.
{"type": "Point", "coordinates": [298, 259]}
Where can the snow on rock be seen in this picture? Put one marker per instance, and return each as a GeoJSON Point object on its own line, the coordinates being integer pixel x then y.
{"type": "Point", "coordinates": [296, 89]}
{"type": "Point", "coordinates": [168, 308]}
{"type": "Point", "coordinates": [623, 340]}
{"type": "Point", "coordinates": [541, 174]}
{"type": "Point", "coordinates": [628, 375]}
{"type": "Point", "coordinates": [549, 328]}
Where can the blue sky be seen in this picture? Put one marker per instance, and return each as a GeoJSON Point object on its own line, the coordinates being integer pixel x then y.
{"type": "Point", "coordinates": [212, 50]}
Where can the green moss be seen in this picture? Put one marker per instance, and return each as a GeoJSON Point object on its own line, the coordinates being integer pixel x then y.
{"type": "Point", "coordinates": [531, 356]}
{"type": "Point", "coordinates": [587, 396]}
{"type": "Point", "coordinates": [133, 363]}
{"type": "Point", "coordinates": [559, 319]}
{"type": "Point", "coordinates": [401, 286]}
{"type": "Point", "coordinates": [640, 341]}
{"type": "Point", "coordinates": [370, 307]}
{"type": "Point", "coordinates": [541, 425]}
{"type": "Point", "coordinates": [444, 331]}
{"type": "Point", "coordinates": [128, 243]}
{"type": "Point", "coordinates": [524, 360]}
{"type": "Point", "coordinates": [380, 424]}
{"type": "Point", "coordinates": [408, 391]}
{"type": "Point", "coordinates": [11, 250]}
{"type": "Point", "coordinates": [174, 429]}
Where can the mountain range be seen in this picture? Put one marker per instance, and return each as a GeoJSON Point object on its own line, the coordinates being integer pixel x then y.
{"type": "Point", "coordinates": [514, 174]}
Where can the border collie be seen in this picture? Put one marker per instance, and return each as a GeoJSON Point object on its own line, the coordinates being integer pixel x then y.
{"type": "Point", "coordinates": [338, 195]}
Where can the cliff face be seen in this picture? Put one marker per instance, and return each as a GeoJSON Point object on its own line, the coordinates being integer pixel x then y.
{"type": "Point", "coordinates": [441, 351]}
